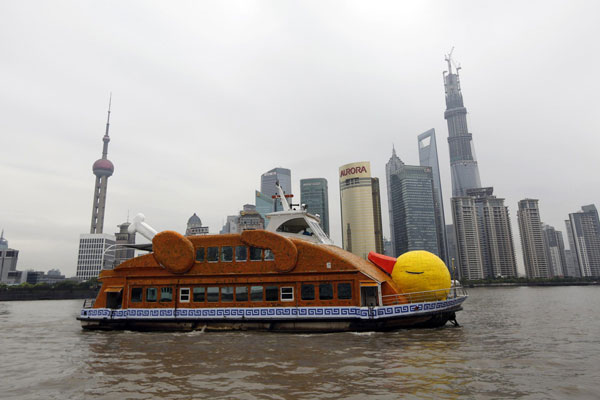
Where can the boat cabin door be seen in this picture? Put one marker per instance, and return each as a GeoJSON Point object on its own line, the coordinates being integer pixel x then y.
{"type": "Point", "coordinates": [369, 294]}
{"type": "Point", "coordinates": [114, 297]}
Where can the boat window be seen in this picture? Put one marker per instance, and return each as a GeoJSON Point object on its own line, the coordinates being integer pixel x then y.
{"type": "Point", "coordinates": [212, 294]}
{"type": "Point", "coordinates": [199, 294]}
{"type": "Point", "coordinates": [256, 293]}
{"type": "Point", "coordinates": [227, 253]}
{"type": "Point", "coordinates": [200, 254]}
{"type": "Point", "coordinates": [271, 293]}
{"type": "Point", "coordinates": [287, 293]}
{"type": "Point", "coordinates": [151, 294]}
{"type": "Point", "coordinates": [344, 291]}
{"type": "Point", "coordinates": [318, 231]}
{"type": "Point", "coordinates": [136, 295]}
{"type": "Point", "coordinates": [241, 253]}
{"type": "Point", "coordinates": [325, 291]}
{"type": "Point", "coordinates": [212, 254]}
{"type": "Point", "coordinates": [296, 225]}
{"type": "Point", "coordinates": [227, 294]}
{"type": "Point", "coordinates": [241, 293]}
{"type": "Point", "coordinates": [307, 291]}
{"type": "Point", "coordinates": [166, 294]}
{"type": "Point", "coordinates": [269, 256]}
{"type": "Point", "coordinates": [184, 295]}
{"type": "Point", "coordinates": [255, 254]}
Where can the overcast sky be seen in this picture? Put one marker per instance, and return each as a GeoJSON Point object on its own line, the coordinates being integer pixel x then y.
{"type": "Point", "coordinates": [209, 95]}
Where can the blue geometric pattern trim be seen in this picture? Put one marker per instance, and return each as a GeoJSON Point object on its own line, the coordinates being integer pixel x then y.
{"type": "Point", "coordinates": [267, 313]}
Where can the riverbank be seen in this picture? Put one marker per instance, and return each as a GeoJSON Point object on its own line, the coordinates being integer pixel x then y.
{"type": "Point", "coordinates": [547, 283]}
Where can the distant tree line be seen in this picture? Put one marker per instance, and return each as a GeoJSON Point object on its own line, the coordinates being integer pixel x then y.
{"type": "Point", "coordinates": [527, 281]}
{"type": "Point", "coordinates": [61, 285]}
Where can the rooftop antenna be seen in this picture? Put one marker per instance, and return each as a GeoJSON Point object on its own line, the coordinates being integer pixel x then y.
{"type": "Point", "coordinates": [106, 138]}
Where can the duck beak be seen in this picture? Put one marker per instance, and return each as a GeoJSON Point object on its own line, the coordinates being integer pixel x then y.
{"type": "Point", "coordinates": [385, 263]}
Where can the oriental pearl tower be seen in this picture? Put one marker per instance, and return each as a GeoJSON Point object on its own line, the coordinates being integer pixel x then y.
{"type": "Point", "coordinates": [103, 169]}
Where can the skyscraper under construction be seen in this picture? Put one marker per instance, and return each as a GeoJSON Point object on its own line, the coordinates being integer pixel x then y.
{"type": "Point", "coordinates": [464, 168]}
{"type": "Point", "coordinates": [475, 210]}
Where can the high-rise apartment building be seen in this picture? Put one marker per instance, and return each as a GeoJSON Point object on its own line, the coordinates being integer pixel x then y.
{"type": "Point", "coordinates": [428, 156]}
{"type": "Point", "coordinates": [123, 237]}
{"type": "Point", "coordinates": [8, 259]}
{"type": "Point", "coordinates": [555, 251]}
{"type": "Point", "coordinates": [96, 252]}
{"type": "Point", "coordinates": [466, 230]}
{"type": "Point", "coordinates": [495, 234]}
{"type": "Point", "coordinates": [268, 182]}
{"type": "Point", "coordinates": [585, 228]}
{"type": "Point", "coordinates": [465, 172]}
{"type": "Point", "coordinates": [314, 194]}
{"type": "Point", "coordinates": [391, 167]}
{"type": "Point", "coordinates": [89, 261]}
{"type": "Point", "coordinates": [361, 209]}
{"type": "Point", "coordinates": [413, 210]}
{"type": "Point", "coordinates": [571, 254]}
{"type": "Point", "coordinates": [532, 239]}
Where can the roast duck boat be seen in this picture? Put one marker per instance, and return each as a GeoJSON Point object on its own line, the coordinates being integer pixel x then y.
{"type": "Point", "coordinates": [287, 278]}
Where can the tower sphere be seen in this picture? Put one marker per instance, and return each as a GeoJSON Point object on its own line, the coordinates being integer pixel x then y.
{"type": "Point", "coordinates": [103, 167]}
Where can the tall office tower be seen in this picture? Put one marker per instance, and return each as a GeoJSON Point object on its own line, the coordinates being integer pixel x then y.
{"type": "Point", "coordinates": [465, 172]}
{"type": "Point", "coordinates": [413, 210]}
{"type": "Point", "coordinates": [270, 178]}
{"type": "Point", "coordinates": [96, 252]}
{"type": "Point", "coordinates": [391, 167]}
{"type": "Point", "coordinates": [8, 259]}
{"type": "Point", "coordinates": [314, 193]}
{"type": "Point", "coordinates": [103, 169]}
{"type": "Point", "coordinates": [194, 226]}
{"type": "Point", "coordinates": [555, 251]}
{"type": "Point", "coordinates": [495, 234]}
{"type": "Point", "coordinates": [123, 237]}
{"type": "Point", "coordinates": [585, 227]}
{"type": "Point", "coordinates": [428, 157]}
{"type": "Point", "coordinates": [532, 239]}
{"type": "Point", "coordinates": [571, 254]}
{"type": "Point", "coordinates": [361, 209]}
{"type": "Point", "coordinates": [466, 231]}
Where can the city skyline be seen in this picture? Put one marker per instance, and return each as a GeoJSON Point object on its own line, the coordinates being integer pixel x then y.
{"type": "Point", "coordinates": [185, 126]}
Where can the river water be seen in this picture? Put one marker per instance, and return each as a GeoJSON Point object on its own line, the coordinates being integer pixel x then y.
{"type": "Point", "coordinates": [531, 343]}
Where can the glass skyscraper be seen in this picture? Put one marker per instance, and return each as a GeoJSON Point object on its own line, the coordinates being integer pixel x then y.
{"type": "Point", "coordinates": [314, 193]}
{"type": "Point", "coordinates": [413, 211]}
{"type": "Point", "coordinates": [428, 157]}
{"type": "Point", "coordinates": [270, 178]}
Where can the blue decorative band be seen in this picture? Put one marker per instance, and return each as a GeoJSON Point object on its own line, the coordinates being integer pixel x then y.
{"type": "Point", "coordinates": [274, 313]}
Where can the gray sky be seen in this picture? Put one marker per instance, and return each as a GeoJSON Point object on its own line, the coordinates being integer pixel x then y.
{"type": "Point", "coordinates": [209, 95]}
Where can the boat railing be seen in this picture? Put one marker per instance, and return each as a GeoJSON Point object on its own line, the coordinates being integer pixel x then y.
{"type": "Point", "coordinates": [89, 303]}
{"type": "Point", "coordinates": [420, 297]}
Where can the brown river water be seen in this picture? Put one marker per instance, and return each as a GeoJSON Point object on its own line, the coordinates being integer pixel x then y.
{"type": "Point", "coordinates": [530, 343]}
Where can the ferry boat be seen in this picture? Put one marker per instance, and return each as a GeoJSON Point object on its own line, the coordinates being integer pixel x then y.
{"type": "Point", "coordinates": [280, 279]}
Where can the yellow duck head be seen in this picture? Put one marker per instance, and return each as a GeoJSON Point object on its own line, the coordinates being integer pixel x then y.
{"type": "Point", "coordinates": [416, 271]}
